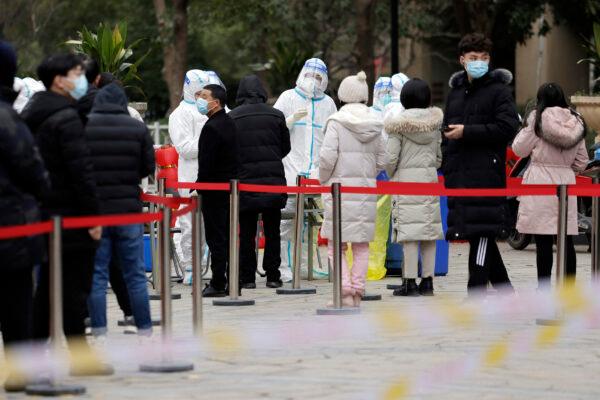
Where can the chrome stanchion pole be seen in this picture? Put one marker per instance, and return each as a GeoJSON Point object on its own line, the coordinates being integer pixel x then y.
{"type": "Point", "coordinates": [155, 292]}
{"type": "Point", "coordinates": [166, 364]}
{"type": "Point", "coordinates": [337, 308]}
{"type": "Point", "coordinates": [234, 269]}
{"type": "Point", "coordinates": [561, 243]}
{"type": "Point", "coordinates": [197, 267]}
{"type": "Point", "coordinates": [595, 234]}
{"type": "Point", "coordinates": [54, 388]}
{"type": "Point", "coordinates": [297, 266]}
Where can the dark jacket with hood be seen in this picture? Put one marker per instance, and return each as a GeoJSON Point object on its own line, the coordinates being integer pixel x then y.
{"type": "Point", "coordinates": [264, 140]}
{"type": "Point", "coordinates": [121, 151]}
{"type": "Point", "coordinates": [23, 181]}
{"type": "Point", "coordinates": [58, 131]}
{"type": "Point", "coordinates": [486, 108]}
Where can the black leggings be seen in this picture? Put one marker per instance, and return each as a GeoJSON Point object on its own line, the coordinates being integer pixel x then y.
{"type": "Point", "coordinates": [544, 256]}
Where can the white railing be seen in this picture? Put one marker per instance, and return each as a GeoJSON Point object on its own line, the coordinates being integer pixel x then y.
{"type": "Point", "coordinates": [155, 129]}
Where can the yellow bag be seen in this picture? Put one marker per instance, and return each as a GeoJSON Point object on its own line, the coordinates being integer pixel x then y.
{"type": "Point", "coordinates": [378, 247]}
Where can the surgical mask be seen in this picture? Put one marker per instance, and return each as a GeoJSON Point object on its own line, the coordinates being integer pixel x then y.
{"type": "Point", "coordinates": [202, 106]}
{"type": "Point", "coordinates": [477, 69]}
{"type": "Point", "coordinates": [80, 89]}
{"type": "Point", "coordinates": [386, 99]}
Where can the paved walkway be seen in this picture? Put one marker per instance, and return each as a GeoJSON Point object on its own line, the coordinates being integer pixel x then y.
{"type": "Point", "coordinates": [363, 368]}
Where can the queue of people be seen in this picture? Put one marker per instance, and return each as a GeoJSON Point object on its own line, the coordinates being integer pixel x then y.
{"type": "Point", "coordinates": [76, 149]}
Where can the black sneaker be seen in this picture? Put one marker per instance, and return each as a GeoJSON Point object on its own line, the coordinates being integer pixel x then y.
{"type": "Point", "coordinates": [426, 287]}
{"type": "Point", "coordinates": [248, 285]}
{"type": "Point", "coordinates": [275, 284]}
{"type": "Point", "coordinates": [210, 291]}
{"type": "Point", "coordinates": [409, 288]}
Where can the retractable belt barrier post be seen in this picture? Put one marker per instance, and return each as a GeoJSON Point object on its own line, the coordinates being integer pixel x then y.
{"type": "Point", "coordinates": [233, 280]}
{"type": "Point", "coordinates": [166, 364]}
{"type": "Point", "coordinates": [297, 263]}
{"type": "Point", "coordinates": [561, 243]}
{"type": "Point", "coordinates": [54, 388]}
{"type": "Point", "coordinates": [155, 293]}
{"type": "Point", "coordinates": [337, 308]}
{"type": "Point", "coordinates": [197, 244]}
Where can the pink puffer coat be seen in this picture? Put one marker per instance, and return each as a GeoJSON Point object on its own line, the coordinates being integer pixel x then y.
{"type": "Point", "coordinates": [555, 159]}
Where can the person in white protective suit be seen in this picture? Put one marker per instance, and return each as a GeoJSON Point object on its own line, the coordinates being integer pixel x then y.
{"type": "Point", "coordinates": [185, 125]}
{"type": "Point", "coordinates": [382, 95]}
{"type": "Point", "coordinates": [306, 108]}
{"type": "Point", "coordinates": [25, 88]}
{"type": "Point", "coordinates": [398, 80]}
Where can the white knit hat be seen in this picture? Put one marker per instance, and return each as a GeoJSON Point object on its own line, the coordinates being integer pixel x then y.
{"type": "Point", "coordinates": [354, 89]}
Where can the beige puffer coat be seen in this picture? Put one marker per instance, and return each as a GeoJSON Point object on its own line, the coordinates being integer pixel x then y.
{"type": "Point", "coordinates": [414, 155]}
{"type": "Point", "coordinates": [352, 153]}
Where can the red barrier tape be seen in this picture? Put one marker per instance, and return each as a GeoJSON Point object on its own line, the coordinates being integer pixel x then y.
{"type": "Point", "coordinates": [185, 210]}
{"type": "Point", "coordinates": [15, 231]}
{"type": "Point", "coordinates": [172, 202]}
{"type": "Point", "coordinates": [198, 186]}
{"type": "Point", "coordinates": [110, 220]}
{"type": "Point", "coordinates": [283, 189]}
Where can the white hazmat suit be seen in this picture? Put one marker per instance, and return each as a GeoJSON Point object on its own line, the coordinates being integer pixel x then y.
{"type": "Point", "coordinates": [306, 108]}
{"type": "Point", "coordinates": [185, 125]}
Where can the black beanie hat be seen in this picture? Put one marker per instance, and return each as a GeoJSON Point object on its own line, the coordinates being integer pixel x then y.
{"type": "Point", "coordinates": [8, 64]}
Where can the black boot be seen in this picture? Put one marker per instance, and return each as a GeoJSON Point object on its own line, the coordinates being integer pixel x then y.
{"type": "Point", "coordinates": [210, 291]}
{"type": "Point", "coordinates": [426, 286]}
{"type": "Point", "coordinates": [409, 288]}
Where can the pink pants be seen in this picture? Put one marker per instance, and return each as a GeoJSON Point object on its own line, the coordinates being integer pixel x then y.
{"type": "Point", "coordinates": [353, 281]}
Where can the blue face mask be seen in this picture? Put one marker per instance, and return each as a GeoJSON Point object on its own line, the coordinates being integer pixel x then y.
{"type": "Point", "coordinates": [477, 69]}
{"type": "Point", "coordinates": [202, 106]}
{"type": "Point", "coordinates": [80, 89]}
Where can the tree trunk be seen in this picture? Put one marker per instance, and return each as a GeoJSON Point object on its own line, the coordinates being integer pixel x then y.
{"type": "Point", "coordinates": [365, 13]}
{"type": "Point", "coordinates": [173, 36]}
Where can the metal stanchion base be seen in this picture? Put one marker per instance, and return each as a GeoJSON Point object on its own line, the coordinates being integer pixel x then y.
{"type": "Point", "coordinates": [371, 297]}
{"type": "Point", "coordinates": [156, 296]}
{"type": "Point", "coordinates": [54, 389]}
{"type": "Point", "coordinates": [393, 287]}
{"type": "Point", "coordinates": [167, 366]}
{"type": "Point", "coordinates": [233, 302]}
{"type": "Point", "coordinates": [291, 290]}
{"type": "Point", "coordinates": [338, 311]}
{"type": "Point", "coordinates": [122, 322]}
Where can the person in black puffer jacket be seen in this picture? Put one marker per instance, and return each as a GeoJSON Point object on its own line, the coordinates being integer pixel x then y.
{"type": "Point", "coordinates": [482, 120]}
{"type": "Point", "coordinates": [58, 131]}
{"type": "Point", "coordinates": [264, 140]}
{"type": "Point", "coordinates": [23, 181]}
{"type": "Point", "coordinates": [122, 154]}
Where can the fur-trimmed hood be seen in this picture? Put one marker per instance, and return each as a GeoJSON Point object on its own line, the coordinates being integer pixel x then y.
{"type": "Point", "coordinates": [359, 120]}
{"type": "Point", "coordinates": [560, 127]}
{"type": "Point", "coordinates": [500, 75]}
{"type": "Point", "coordinates": [420, 125]}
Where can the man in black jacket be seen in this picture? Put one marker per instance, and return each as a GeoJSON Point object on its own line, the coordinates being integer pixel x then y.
{"type": "Point", "coordinates": [122, 154]}
{"type": "Point", "coordinates": [481, 121]}
{"type": "Point", "coordinates": [217, 162]}
{"type": "Point", "coordinates": [54, 121]}
{"type": "Point", "coordinates": [23, 180]}
{"type": "Point", "coordinates": [264, 140]}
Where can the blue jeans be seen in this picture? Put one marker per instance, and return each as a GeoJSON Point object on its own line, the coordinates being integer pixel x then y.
{"type": "Point", "coordinates": [129, 246]}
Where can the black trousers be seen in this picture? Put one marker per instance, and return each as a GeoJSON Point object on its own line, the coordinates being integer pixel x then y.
{"type": "Point", "coordinates": [215, 211]}
{"type": "Point", "coordinates": [78, 254]}
{"type": "Point", "coordinates": [16, 305]}
{"type": "Point", "coordinates": [271, 219]}
{"type": "Point", "coordinates": [544, 255]}
{"type": "Point", "coordinates": [486, 265]}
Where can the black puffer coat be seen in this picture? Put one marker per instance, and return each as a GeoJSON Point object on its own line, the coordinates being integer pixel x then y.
{"type": "Point", "coordinates": [121, 150]}
{"type": "Point", "coordinates": [264, 140]}
{"type": "Point", "coordinates": [58, 131]}
{"type": "Point", "coordinates": [23, 180]}
{"type": "Point", "coordinates": [487, 109]}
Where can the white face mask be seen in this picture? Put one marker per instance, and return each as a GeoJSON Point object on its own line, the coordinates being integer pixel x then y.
{"type": "Point", "coordinates": [309, 85]}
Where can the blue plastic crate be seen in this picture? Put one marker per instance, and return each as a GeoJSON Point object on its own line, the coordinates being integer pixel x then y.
{"type": "Point", "coordinates": [147, 253]}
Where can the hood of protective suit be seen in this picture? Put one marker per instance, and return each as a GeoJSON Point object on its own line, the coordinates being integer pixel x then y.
{"type": "Point", "coordinates": [251, 91]}
{"type": "Point", "coordinates": [307, 83]}
{"type": "Point", "coordinates": [420, 125]}
{"type": "Point", "coordinates": [359, 120]}
{"type": "Point", "coordinates": [110, 99]}
{"type": "Point", "coordinates": [25, 88]}
{"type": "Point", "coordinates": [194, 81]}
{"type": "Point", "coordinates": [398, 81]}
{"type": "Point", "coordinates": [383, 86]}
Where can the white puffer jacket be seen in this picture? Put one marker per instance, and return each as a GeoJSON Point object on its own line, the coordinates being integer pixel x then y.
{"type": "Point", "coordinates": [414, 155]}
{"type": "Point", "coordinates": [353, 152]}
